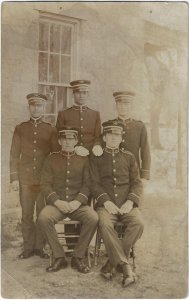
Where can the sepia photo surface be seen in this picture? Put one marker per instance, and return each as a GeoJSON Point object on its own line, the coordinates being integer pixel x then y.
{"type": "Point", "coordinates": [118, 46]}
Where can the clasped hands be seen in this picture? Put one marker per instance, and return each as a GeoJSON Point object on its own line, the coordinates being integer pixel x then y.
{"type": "Point", "coordinates": [113, 209]}
{"type": "Point", "coordinates": [67, 207]}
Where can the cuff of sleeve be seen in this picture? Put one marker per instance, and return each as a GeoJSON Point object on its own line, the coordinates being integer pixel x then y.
{"type": "Point", "coordinates": [83, 199]}
{"type": "Point", "coordinates": [13, 176]}
{"type": "Point", "coordinates": [145, 174]}
{"type": "Point", "coordinates": [52, 197]}
{"type": "Point", "coordinates": [134, 198]}
{"type": "Point", "coordinates": [102, 198]}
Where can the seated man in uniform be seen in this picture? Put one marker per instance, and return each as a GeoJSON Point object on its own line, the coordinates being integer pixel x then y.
{"type": "Point", "coordinates": [66, 184]}
{"type": "Point", "coordinates": [117, 187]}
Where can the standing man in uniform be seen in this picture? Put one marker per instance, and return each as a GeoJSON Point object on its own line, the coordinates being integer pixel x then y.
{"type": "Point", "coordinates": [66, 184]}
{"type": "Point", "coordinates": [82, 117]}
{"type": "Point", "coordinates": [32, 141]}
{"type": "Point", "coordinates": [117, 187]}
{"type": "Point", "coordinates": [86, 120]}
{"type": "Point", "coordinates": [135, 138]}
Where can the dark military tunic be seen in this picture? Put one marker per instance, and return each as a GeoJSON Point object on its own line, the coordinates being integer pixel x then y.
{"type": "Point", "coordinates": [32, 142]}
{"type": "Point", "coordinates": [135, 140]}
{"type": "Point", "coordinates": [66, 177]}
{"type": "Point", "coordinates": [115, 177]}
{"type": "Point", "coordinates": [85, 119]}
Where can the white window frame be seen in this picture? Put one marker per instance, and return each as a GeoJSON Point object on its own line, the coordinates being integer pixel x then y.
{"type": "Point", "coordinates": [74, 24]}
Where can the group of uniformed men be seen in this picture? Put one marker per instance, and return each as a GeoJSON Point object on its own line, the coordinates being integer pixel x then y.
{"type": "Point", "coordinates": [67, 164]}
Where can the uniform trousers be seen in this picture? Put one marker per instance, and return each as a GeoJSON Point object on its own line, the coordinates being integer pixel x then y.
{"type": "Point", "coordinates": [50, 215]}
{"type": "Point", "coordinates": [32, 234]}
{"type": "Point", "coordinates": [118, 250]}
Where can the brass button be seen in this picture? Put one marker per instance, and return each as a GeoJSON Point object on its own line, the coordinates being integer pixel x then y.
{"type": "Point", "coordinates": [81, 127]}
{"type": "Point", "coordinates": [115, 178]}
{"type": "Point", "coordinates": [35, 132]}
{"type": "Point", "coordinates": [35, 125]}
{"type": "Point", "coordinates": [114, 170]}
{"type": "Point", "coordinates": [67, 196]}
{"type": "Point", "coordinates": [113, 160]}
{"type": "Point", "coordinates": [68, 172]}
{"type": "Point", "coordinates": [115, 186]}
{"type": "Point", "coordinates": [67, 188]}
{"type": "Point", "coordinates": [34, 167]}
{"type": "Point", "coordinates": [34, 158]}
{"type": "Point", "coordinates": [34, 150]}
{"type": "Point", "coordinates": [116, 195]}
{"type": "Point", "coordinates": [35, 141]}
{"type": "Point", "coordinates": [81, 119]}
{"type": "Point", "coordinates": [67, 180]}
{"type": "Point", "coordinates": [123, 141]}
{"type": "Point", "coordinates": [68, 163]}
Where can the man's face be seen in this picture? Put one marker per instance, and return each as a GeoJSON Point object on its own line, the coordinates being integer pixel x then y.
{"type": "Point", "coordinates": [123, 109]}
{"type": "Point", "coordinates": [112, 140]}
{"type": "Point", "coordinates": [67, 144]}
{"type": "Point", "coordinates": [36, 110]}
{"type": "Point", "coordinates": [81, 97]}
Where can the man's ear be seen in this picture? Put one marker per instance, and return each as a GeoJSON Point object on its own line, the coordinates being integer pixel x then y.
{"type": "Point", "coordinates": [104, 138]}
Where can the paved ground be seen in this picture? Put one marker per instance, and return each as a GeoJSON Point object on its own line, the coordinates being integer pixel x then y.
{"type": "Point", "coordinates": [161, 260]}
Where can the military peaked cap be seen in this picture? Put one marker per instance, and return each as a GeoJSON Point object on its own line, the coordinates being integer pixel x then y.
{"type": "Point", "coordinates": [80, 85]}
{"type": "Point", "coordinates": [36, 98]}
{"type": "Point", "coordinates": [113, 126]}
{"type": "Point", "coordinates": [125, 96]}
{"type": "Point", "coordinates": [68, 132]}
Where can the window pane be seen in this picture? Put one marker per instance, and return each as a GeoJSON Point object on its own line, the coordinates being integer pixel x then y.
{"type": "Point", "coordinates": [54, 68]}
{"type": "Point", "coordinates": [61, 97]}
{"type": "Point", "coordinates": [66, 40]}
{"type": "Point", "coordinates": [43, 36]}
{"type": "Point", "coordinates": [65, 69]}
{"type": "Point", "coordinates": [43, 66]}
{"type": "Point", "coordinates": [54, 38]}
{"type": "Point", "coordinates": [50, 92]}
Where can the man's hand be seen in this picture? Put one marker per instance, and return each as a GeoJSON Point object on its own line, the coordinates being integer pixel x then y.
{"type": "Point", "coordinates": [74, 205]}
{"type": "Point", "coordinates": [82, 151]}
{"type": "Point", "coordinates": [14, 185]}
{"type": "Point", "coordinates": [126, 207]}
{"type": "Point", "coordinates": [97, 150]}
{"type": "Point", "coordinates": [63, 206]}
{"type": "Point", "coordinates": [111, 207]}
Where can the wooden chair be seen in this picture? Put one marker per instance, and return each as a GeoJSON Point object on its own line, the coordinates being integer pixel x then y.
{"type": "Point", "coordinates": [68, 240]}
{"type": "Point", "coordinates": [120, 228]}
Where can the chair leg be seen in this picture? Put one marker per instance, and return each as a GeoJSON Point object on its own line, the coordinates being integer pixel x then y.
{"type": "Point", "coordinates": [51, 258]}
{"type": "Point", "coordinates": [88, 257]}
{"type": "Point", "coordinates": [133, 256]}
{"type": "Point", "coordinates": [97, 247]}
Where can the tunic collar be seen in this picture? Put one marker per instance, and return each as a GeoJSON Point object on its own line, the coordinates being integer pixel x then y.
{"type": "Point", "coordinates": [111, 151]}
{"type": "Point", "coordinates": [67, 154]}
{"type": "Point", "coordinates": [80, 107]}
{"type": "Point", "coordinates": [36, 121]}
{"type": "Point", "coordinates": [125, 121]}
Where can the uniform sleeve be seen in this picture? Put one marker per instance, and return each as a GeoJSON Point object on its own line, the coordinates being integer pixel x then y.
{"type": "Point", "coordinates": [136, 188]}
{"type": "Point", "coordinates": [60, 120]}
{"type": "Point", "coordinates": [145, 155]}
{"type": "Point", "coordinates": [98, 130]}
{"type": "Point", "coordinates": [97, 189]}
{"type": "Point", "coordinates": [55, 147]}
{"type": "Point", "coordinates": [82, 196]}
{"type": "Point", "coordinates": [47, 182]}
{"type": "Point", "coordinates": [15, 154]}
